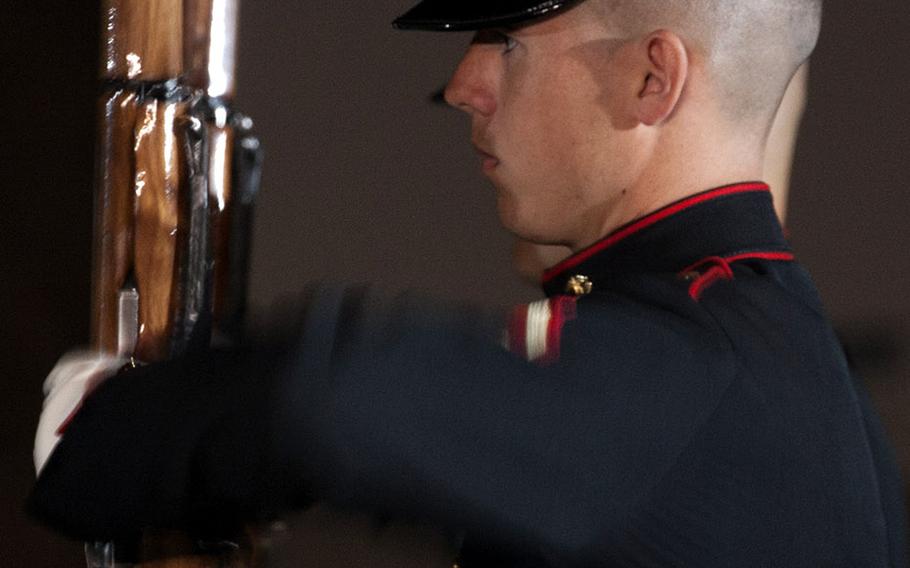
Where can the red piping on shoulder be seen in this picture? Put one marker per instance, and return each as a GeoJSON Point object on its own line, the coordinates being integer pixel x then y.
{"type": "Point", "coordinates": [781, 256]}
{"type": "Point", "coordinates": [647, 221]}
{"type": "Point", "coordinates": [720, 269]}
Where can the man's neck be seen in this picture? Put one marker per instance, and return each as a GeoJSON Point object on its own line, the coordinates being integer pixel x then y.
{"type": "Point", "coordinates": [670, 179]}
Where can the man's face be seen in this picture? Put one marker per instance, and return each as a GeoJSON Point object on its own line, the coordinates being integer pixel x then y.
{"type": "Point", "coordinates": [548, 104]}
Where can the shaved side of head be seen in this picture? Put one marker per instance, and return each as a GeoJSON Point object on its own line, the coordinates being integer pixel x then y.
{"type": "Point", "coordinates": [752, 47]}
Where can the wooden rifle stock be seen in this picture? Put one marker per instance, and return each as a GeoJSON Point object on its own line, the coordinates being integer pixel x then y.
{"type": "Point", "coordinates": [177, 171]}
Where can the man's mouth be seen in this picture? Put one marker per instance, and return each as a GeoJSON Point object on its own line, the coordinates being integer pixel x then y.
{"type": "Point", "coordinates": [488, 161]}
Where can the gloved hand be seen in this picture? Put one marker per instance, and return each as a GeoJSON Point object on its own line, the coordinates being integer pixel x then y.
{"type": "Point", "coordinates": [74, 377]}
{"type": "Point", "coordinates": [183, 444]}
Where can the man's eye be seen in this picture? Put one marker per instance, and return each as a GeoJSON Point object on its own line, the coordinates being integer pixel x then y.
{"type": "Point", "coordinates": [508, 42]}
{"type": "Point", "coordinates": [491, 37]}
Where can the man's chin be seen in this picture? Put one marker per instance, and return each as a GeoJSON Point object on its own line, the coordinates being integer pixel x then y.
{"type": "Point", "coordinates": [509, 216]}
{"type": "Point", "coordinates": [524, 227]}
{"type": "Point", "coordinates": [527, 223]}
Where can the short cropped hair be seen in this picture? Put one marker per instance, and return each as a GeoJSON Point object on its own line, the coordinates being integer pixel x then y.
{"type": "Point", "coordinates": [753, 47]}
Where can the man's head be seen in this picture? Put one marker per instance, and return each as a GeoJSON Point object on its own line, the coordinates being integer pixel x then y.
{"type": "Point", "coordinates": [610, 108]}
{"type": "Point", "coordinates": [750, 48]}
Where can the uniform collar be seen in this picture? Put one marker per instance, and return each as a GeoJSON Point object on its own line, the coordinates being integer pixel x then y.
{"type": "Point", "coordinates": [724, 221]}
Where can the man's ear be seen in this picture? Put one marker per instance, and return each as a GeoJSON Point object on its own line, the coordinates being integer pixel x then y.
{"type": "Point", "coordinates": [667, 73]}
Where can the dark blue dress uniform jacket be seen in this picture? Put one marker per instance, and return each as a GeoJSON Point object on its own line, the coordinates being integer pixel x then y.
{"type": "Point", "coordinates": [689, 406]}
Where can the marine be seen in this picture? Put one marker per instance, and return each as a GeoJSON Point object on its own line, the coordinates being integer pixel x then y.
{"type": "Point", "coordinates": [678, 399]}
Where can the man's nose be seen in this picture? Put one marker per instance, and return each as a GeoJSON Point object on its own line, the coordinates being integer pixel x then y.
{"type": "Point", "coordinates": [472, 86]}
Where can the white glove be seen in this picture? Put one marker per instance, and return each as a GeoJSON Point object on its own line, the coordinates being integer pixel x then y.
{"type": "Point", "coordinates": [76, 374]}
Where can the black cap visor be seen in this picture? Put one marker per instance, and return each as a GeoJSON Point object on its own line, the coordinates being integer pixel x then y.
{"type": "Point", "coordinates": [458, 15]}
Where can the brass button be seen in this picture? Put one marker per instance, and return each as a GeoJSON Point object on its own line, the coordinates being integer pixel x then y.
{"type": "Point", "coordinates": [579, 285]}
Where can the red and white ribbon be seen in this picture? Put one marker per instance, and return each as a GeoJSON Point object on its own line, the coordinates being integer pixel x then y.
{"type": "Point", "coordinates": [535, 329]}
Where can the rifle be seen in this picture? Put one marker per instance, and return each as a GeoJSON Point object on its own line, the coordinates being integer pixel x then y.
{"type": "Point", "coordinates": [176, 175]}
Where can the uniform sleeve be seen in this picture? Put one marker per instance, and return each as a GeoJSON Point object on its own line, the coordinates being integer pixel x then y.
{"type": "Point", "coordinates": [404, 410]}
{"type": "Point", "coordinates": [416, 415]}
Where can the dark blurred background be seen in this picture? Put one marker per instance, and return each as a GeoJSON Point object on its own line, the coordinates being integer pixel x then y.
{"type": "Point", "coordinates": [366, 181]}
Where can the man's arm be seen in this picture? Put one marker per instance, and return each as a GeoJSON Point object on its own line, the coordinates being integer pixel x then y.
{"type": "Point", "coordinates": [401, 414]}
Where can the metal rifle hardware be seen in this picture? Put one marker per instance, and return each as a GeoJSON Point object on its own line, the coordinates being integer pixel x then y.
{"type": "Point", "coordinates": [192, 326]}
{"type": "Point", "coordinates": [176, 174]}
{"type": "Point", "coordinates": [247, 177]}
